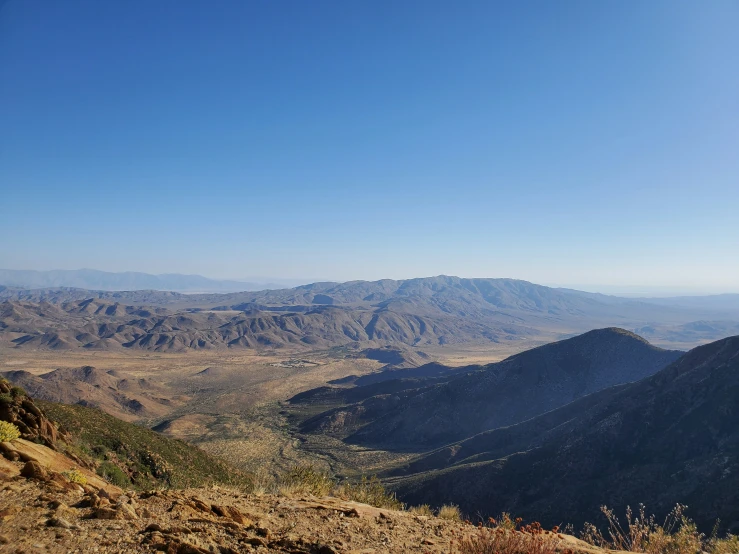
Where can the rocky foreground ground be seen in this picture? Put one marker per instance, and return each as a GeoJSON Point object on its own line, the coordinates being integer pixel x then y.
{"type": "Point", "coordinates": [42, 509]}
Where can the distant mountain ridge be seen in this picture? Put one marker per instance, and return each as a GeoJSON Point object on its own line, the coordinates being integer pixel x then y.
{"type": "Point", "coordinates": [124, 281]}
{"type": "Point", "coordinates": [437, 310]}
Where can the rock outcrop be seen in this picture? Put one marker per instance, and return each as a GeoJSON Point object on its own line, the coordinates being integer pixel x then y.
{"type": "Point", "coordinates": [20, 410]}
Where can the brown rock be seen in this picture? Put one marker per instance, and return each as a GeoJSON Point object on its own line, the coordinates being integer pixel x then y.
{"type": "Point", "coordinates": [8, 452]}
{"type": "Point", "coordinates": [26, 457]}
{"type": "Point", "coordinates": [9, 513]}
{"type": "Point", "coordinates": [34, 470]}
{"type": "Point", "coordinates": [186, 548]}
{"type": "Point", "coordinates": [231, 513]}
{"type": "Point", "coordinates": [106, 513]}
{"type": "Point", "coordinates": [152, 527]}
{"type": "Point", "coordinates": [60, 522]}
{"type": "Point", "coordinates": [61, 482]}
{"type": "Point", "coordinates": [200, 505]}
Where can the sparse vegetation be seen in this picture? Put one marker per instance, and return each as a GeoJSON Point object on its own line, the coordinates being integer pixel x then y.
{"type": "Point", "coordinates": [642, 533]}
{"type": "Point", "coordinates": [75, 476]}
{"type": "Point", "coordinates": [422, 510]}
{"type": "Point", "coordinates": [18, 392]}
{"type": "Point", "coordinates": [113, 474]}
{"type": "Point", "coordinates": [678, 534]}
{"type": "Point", "coordinates": [370, 491]}
{"type": "Point", "coordinates": [8, 432]}
{"type": "Point", "coordinates": [450, 512]}
{"type": "Point", "coordinates": [728, 545]}
{"type": "Point", "coordinates": [130, 455]}
{"type": "Point", "coordinates": [306, 479]}
{"type": "Point", "coordinates": [500, 539]}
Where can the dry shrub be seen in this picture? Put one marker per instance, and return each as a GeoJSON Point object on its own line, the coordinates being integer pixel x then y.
{"type": "Point", "coordinates": [263, 483]}
{"type": "Point", "coordinates": [450, 512]}
{"type": "Point", "coordinates": [677, 535]}
{"type": "Point", "coordinates": [527, 539]}
{"type": "Point", "coordinates": [422, 510]}
{"type": "Point", "coordinates": [728, 545]}
{"type": "Point", "coordinates": [306, 479]}
{"type": "Point", "coordinates": [369, 491]}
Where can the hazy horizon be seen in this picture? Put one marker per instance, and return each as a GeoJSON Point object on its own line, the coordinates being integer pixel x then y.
{"type": "Point", "coordinates": [608, 289]}
{"type": "Point", "coordinates": [559, 143]}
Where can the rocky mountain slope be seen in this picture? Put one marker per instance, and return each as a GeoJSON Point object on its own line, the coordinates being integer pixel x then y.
{"type": "Point", "coordinates": [126, 454]}
{"type": "Point", "coordinates": [99, 325]}
{"type": "Point", "coordinates": [113, 391]}
{"type": "Point", "coordinates": [418, 416]}
{"type": "Point", "coordinates": [668, 438]}
{"type": "Point", "coordinates": [56, 502]}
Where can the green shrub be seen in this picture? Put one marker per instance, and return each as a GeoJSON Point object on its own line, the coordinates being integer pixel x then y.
{"type": "Point", "coordinates": [17, 392]}
{"type": "Point", "coordinates": [152, 460]}
{"type": "Point", "coordinates": [113, 474]}
{"type": "Point", "coordinates": [5, 398]}
{"type": "Point", "coordinates": [8, 432]}
{"type": "Point", "coordinates": [75, 476]}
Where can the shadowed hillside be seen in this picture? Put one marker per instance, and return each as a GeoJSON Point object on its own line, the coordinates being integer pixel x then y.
{"type": "Point", "coordinates": [672, 437]}
{"type": "Point", "coordinates": [500, 394]}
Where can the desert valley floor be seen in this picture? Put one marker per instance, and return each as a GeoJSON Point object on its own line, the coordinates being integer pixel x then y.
{"type": "Point", "coordinates": [228, 403]}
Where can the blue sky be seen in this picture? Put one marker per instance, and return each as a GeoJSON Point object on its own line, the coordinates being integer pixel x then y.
{"type": "Point", "coordinates": [573, 142]}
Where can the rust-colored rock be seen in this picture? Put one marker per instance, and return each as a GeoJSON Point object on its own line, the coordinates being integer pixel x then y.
{"type": "Point", "coordinates": [34, 470]}
{"type": "Point", "coordinates": [231, 513]}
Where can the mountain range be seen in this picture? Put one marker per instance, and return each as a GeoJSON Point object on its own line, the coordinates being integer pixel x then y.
{"type": "Point", "coordinates": [416, 312]}
{"type": "Point", "coordinates": [128, 280]}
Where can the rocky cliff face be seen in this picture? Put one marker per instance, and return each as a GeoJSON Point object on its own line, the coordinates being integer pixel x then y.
{"type": "Point", "coordinates": [20, 410]}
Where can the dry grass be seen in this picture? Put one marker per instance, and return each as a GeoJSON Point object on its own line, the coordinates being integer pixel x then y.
{"type": "Point", "coordinates": [528, 539]}
{"type": "Point", "coordinates": [305, 479]}
{"type": "Point", "coordinates": [369, 491]}
{"type": "Point", "coordinates": [450, 512]}
{"type": "Point", "coordinates": [422, 510]}
{"type": "Point", "coordinates": [728, 545]}
{"type": "Point", "coordinates": [641, 533]}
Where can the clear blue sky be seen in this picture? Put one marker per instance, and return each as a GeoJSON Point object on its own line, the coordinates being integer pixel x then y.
{"type": "Point", "coordinates": [572, 142]}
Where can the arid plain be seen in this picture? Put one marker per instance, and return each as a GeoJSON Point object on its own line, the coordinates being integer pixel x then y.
{"type": "Point", "coordinates": [233, 403]}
